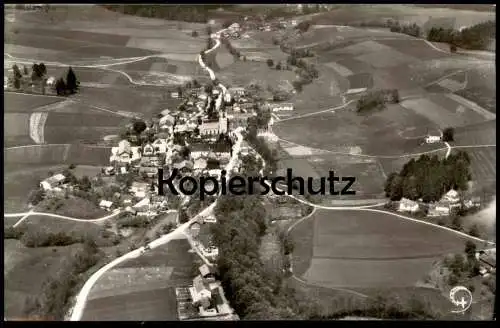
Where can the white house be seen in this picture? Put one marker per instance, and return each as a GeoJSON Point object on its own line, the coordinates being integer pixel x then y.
{"type": "Point", "coordinates": [148, 150]}
{"type": "Point", "coordinates": [432, 139]}
{"type": "Point", "coordinates": [201, 292]}
{"type": "Point", "coordinates": [285, 107]}
{"type": "Point", "coordinates": [174, 94]}
{"type": "Point", "coordinates": [139, 189]}
{"type": "Point", "coordinates": [53, 182]}
{"type": "Point", "coordinates": [200, 164]}
{"type": "Point", "coordinates": [452, 197]}
{"type": "Point", "coordinates": [105, 204]}
{"type": "Point", "coordinates": [439, 209]}
{"type": "Point", "coordinates": [407, 205]}
{"type": "Point", "coordinates": [167, 120]}
{"type": "Point", "coordinates": [51, 81]}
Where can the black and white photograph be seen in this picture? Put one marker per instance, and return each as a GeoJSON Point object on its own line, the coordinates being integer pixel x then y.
{"type": "Point", "coordinates": [242, 162]}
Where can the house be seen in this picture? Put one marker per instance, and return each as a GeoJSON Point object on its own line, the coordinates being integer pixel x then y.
{"type": "Point", "coordinates": [439, 209]}
{"type": "Point", "coordinates": [184, 166]}
{"type": "Point", "coordinates": [144, 208]}
{"type": "Point", "coordinates": [209, 219]}
{"type": "Point", "coordinates": [473, 202]}
{"type": "Point", "coordinates": [407, 205]}
{"type": "Point", "coordinates": [124, 153]}
{"type": "Point", "coordinates": [452, 197]}
{"type": "Point", "coordinates": [148, 150]}
{"type": "Point", "coordinates": [282, 107]}
{"type": "Point", "coordinates": [165, 112]}
{"type": "Point", "coordinates": [110, 170]}
{"type": "Point", "coordinates": [237, 91]}
{"type": "Point", "coordinates": [53, 182]}
{"type": "Point", "coordinates": [200, 164]}
{"type": "Point", "coordinates": [160, 146]}
{"type": "Point", "coordinates": [201, 292]}
{"type": "Point", "coordinates": [51, 81]}
{"type": "Point", "coordinates": [174, 95]}
{"type": "Point", "coordinates": [139, 189]}
{"type": "Point", "coordinates": [207, 272]}
{"type": "Point", "coordinates": [150, 172]}
{"type": "Point", "coordinates": [209, 128]}
{"type": "Point", "coordinates": [105, 204]}
{"type": "Point", "coordinates": [432, 139]}
{"type": "Point", "coordinates": [166, 120]}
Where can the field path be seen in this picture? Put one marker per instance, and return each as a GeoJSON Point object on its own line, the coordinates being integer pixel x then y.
{"type": "Point", "coordinates": [26, 215]}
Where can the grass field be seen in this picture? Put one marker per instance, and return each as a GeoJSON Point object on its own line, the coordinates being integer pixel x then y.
{"type": "Point", "coordinates": [345, 128]}
{"type": "Point", "coordinates": [359, 249]}
{"type": "Point", "coordinates": [20, 103]}
{"type": "Point", "coordinates": [18, 184]}
{"type": "Point", "coordinates": [442, 111]}
{"type": "Point", "coordinates": [143, 288]}
{"type": "Point", "coordinates": [21, 282]}
{"type": "Point", "coordinates": [43, 224]}
{"type": "Point", "coordinates": [478, 134]}
{"type": "Point", "coordinates": [81, 127]}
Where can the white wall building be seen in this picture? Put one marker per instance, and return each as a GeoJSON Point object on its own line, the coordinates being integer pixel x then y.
{"type": "Point", "coordinates": [432, 139]}
{"type": "Point", "coordinates": [407, 205]}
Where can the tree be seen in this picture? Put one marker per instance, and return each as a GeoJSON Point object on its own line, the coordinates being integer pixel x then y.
{"type": "Point", "coordinates": [71, 81]}
{"type": "Point", "coordinates": [194, 34]}
{"type": "Point", "coordinates": [36, 72]}
{"type": "Point", "coordinates": [16, 71]}
{"type": "Point", "coordinates": [453, 48]}
{"type": "Point", "coordinates": [304, 26]}
{"type": "Point", "coordinates": [278, 66]}
{"type": "Point", "coordinates": [25, 70]}
{"type": "Point", "coordinates": [85, 183]}
{"type": "Point", "coordinates": [60, 87]}
{"type": "Point", "coordinates": [139, 126]}
{"type": "Point", "coordinates": [474, 231]}
{"type": "Point", "coordinates": [470, 249]}
{"type": "Point", "coordinates": [448, 134]}
{"type": "Point", "coordinates": [36, 196]}
{"type": "Point", "coordinates": [270, 62]}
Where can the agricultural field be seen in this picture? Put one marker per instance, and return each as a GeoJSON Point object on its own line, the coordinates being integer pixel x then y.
{"type": "Point", "coordinates": [370, 177]}
{"type": "Point", "coordinates": [356, 14]}
{"type": "Point", "coordinates": [90, 128]}
{"type": "Point", "coordinates": [21, 103]}
{"type": "Point", "coordinates": [22, 283]}
{"type": "Point", "coordinates": [242, 73]}
{"type": "Point", "coordinates": [18, 183]}
{"type": "Point", "coordinates": [443, 111]}
{"type": "Point", "coordinates": [345, 128]}
{"type": "Point", "coordinates": [368, 249]}
{"type": "Point", "coordinates": [143, 288]}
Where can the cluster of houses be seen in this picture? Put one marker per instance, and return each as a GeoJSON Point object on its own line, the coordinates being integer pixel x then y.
{"type": "Point", "coordinates": [444, 207]}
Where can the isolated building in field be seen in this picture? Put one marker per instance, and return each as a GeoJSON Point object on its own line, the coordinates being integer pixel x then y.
{"type": "Point", "coordinates": [53, 182]}
{"type": "Point", "coordinates": [432, 139]}
{"type": "Point", "coordinates": [282, 107]}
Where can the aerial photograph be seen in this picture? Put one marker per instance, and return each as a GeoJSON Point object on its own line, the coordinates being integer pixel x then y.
{"type": "Point", "coordinates": [206, 162]}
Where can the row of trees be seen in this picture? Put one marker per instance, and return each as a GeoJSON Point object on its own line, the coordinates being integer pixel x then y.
{"type": "Point", "coordinates": [376, 100]}
{"type": "Point", "coordinates": [188, 13]}
{"type": "Point", "coordinates": [409, 29]}
{"type": "Point", "coordinates": [429, 178]}
{"type": "Point", "coordinates": [476, 37]}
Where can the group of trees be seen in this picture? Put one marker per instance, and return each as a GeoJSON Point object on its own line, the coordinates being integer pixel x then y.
{"type": "Point", "coordinates": [233, 51]}
{"type": "Point", "coordinates": [462, 267]}
{"type": "Point", "coordinates": [307, 72]}
{"type": "Point", "coordinates": [429, 178]}
{"type": "Point", "coordinates": [376, 100]}
{"type": "Point", "coordinates": [68, 87]}
{"type": "Point", "coordinates": [39, 77]}
{"type": "Point", "coordinates": [409, 29]}
{"type": "Point", "coordinates": [476, 37]}
{"type": "Point", "coordinates": [187, 13]}
{"type": "Point", "coordinates": [303, 26]}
